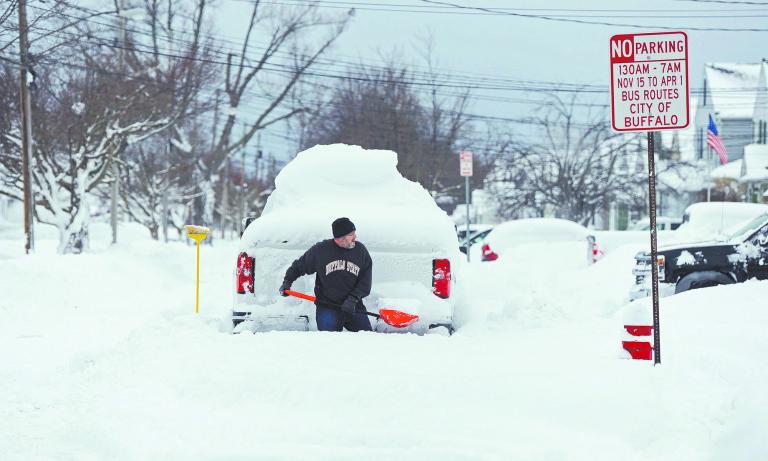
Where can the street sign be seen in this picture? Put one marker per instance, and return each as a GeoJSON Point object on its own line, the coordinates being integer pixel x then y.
{"type": "Point", "coordinates": [649, 92]}
{"type": "Point", "coordinates": [649, 81]}
{"type": "Point", "coordinates": [465, 168]}
{"type": "Point", "coordinates": [465, 163]}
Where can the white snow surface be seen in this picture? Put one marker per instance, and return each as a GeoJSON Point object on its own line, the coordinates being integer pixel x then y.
{"type": "Point", "coordinates": [103, 357]}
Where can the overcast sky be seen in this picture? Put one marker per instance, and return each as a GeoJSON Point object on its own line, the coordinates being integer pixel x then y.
{"type": "Point", "coordinates": [515, 48]}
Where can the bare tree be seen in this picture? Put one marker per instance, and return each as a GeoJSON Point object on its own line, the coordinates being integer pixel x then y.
{"type": "Point", "coordinates": [569, 171]}
{"type": "Point", "coordinates": [156, 185]}
{"type": "Point", "coordinates": [375, 108]}
{"type": "Point", "coordinates": [384, 108]}
{"type": "Point", "coordinates": [280, 46]}
{"type": "Point", "coordinates": [157, 177]}
{"type": "Point", "coordinates": [8, 29]}
{"type": "Point", "coordinates": [87, 114]}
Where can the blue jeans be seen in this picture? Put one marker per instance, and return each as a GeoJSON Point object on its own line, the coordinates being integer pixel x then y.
{"type": "Point", "coordinates": [331, 319]}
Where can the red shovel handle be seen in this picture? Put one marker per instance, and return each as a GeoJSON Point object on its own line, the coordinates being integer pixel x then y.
{"type": "Point", "coordinates": [390, 316]}
{"type": "Point", "coordinates": [300, 295]}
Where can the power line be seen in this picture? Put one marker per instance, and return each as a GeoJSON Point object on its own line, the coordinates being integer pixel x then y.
{"type": "Point", "coordinates": [726, 2]}
{"type": "Point", "coordinates": [494, 11]}
{"type": "Point", "coordinates": [466, 82]}
{"type": "Point", "coordinates": [601, 23]}
{"type": "Point", "coordinates": [366, 78]}
{"type": "Point", "coordinates": [502, 85]}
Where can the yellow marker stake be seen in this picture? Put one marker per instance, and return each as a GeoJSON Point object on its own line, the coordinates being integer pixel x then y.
{"type": "Point", "coordinates": [198, 234]}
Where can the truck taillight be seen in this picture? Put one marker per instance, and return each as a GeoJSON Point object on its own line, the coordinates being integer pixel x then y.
{"type": "Point", "coordinates": [244, 273]}
{"type": "Point", "coordinates": [441, 277]}
{"type": "Point", "coordinates": [488, 254]}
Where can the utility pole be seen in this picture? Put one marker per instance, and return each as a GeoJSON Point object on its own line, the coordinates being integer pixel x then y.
{"type": "Point", "coordinates": [166, 187]}
{"type": "Point", "coordinates": [243, 187]}
{"type": "Point", "coordinates": [26, 131]}
{"type": "Point", "coordinates": [258, 159]}
{"type": "Point", "coordinates": [115, 170]}
{"type": "Point", "coordinates": [224, 210]}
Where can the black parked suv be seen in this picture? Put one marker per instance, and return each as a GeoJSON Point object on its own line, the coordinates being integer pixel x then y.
{"type": "Point", "coordinates": [742, 255]}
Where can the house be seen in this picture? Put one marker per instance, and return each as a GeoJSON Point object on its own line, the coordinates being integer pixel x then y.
{"type": "Point", "coordinates": [754, 173]}
{"type": "Point", "coordinates": [745, 176]}
{"type": "Point", "coordinates": [681, 174]}
{"type": "Point", "coordinates": [732, 95]}
{"type": "Point", "coordinates": [687, 170]}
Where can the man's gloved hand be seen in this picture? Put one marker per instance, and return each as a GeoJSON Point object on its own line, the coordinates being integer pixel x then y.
{"type": "Point", "coordinates": [283, 287]}
{"type": "Point", "coordinates": [349, 304]}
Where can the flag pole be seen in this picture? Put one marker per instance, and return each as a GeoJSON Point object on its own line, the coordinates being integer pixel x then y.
{"type": "Point", "coordinates": [709, 172]}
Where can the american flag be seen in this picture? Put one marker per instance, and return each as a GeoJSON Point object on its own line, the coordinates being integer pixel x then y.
{"type": "Point", "coordinates": [714, 141]}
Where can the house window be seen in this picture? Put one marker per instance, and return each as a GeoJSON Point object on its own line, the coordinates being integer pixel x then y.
{"type": "Point", "coordinates": [700, 144]}
{"type": "Point", "coordinates": [760, 134]}
{"type": "Point", "coordinates": [622, 217]}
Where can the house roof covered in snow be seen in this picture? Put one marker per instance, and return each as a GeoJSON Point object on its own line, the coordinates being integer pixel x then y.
{"type": "Point", "coordinates": [755, 166]}
{"type": "Point", "coordinates": [731, 170]}
{"type": "Point", "coordinates": [732, 88]}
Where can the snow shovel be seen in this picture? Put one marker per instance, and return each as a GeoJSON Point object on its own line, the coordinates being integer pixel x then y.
{"type": "Point", "coordinates": [390, 316]}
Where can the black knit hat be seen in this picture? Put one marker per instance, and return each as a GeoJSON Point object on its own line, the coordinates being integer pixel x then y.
{"type": "Point", "coordinates": [342, 227]}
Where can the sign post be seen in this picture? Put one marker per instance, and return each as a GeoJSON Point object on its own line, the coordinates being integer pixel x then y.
{"type": "Point", "coordinates": [465, 168]}
{"type": "Point", "coordinates": [649, 92]}
{"type": "Point", "coordinates": [198, 234]}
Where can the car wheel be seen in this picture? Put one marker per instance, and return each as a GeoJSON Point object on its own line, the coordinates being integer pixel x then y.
{"type": "Point", "coordinates": [702, 279]}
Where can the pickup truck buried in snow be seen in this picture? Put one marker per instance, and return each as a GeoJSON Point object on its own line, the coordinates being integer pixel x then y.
{"type": "Point", "coordinates": [740, 256]}
{"type": "Point", "coordinates": [412, 242]}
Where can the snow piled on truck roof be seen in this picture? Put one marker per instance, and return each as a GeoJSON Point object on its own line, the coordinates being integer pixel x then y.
{"type": "Point", "coordinates": [326, 182]}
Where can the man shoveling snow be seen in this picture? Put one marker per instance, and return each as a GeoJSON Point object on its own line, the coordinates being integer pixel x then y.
{"type": "Point", "coordinates": [342, 268]}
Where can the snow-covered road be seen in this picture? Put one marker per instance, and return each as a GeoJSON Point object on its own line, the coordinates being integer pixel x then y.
{"type": "Point", "coordinates": [102, 357]}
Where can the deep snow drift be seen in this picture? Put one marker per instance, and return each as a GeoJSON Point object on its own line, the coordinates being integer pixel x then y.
{"type": "Point", "coordinates": [103, 358]}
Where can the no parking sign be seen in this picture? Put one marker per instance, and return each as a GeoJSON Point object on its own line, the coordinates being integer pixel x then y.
{"type": "Point", "coordinates": [649, 81]}
{"type": "Point", "coordinates": [649, 92]}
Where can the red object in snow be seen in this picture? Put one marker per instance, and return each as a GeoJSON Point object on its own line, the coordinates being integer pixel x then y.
{"type": "Point", "coordinates": [396, 318]}
{"type": "Point", "coordinates": [244, 273]}
{"type": "Point", "coordinates": [639, 350]}
{"type": "Point", "coordinates": [639, 330]}
{"type": "Point", "coordinates": [488, 254]}
{"type": "Point", "coordinates": [441, 278]}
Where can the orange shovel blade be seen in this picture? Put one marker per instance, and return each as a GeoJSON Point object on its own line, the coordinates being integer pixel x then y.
{"type": "Point", "coordinates": [396, 318]}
